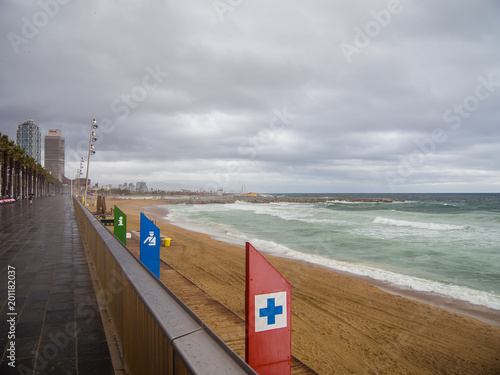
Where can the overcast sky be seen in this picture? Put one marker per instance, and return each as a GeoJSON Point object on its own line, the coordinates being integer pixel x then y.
{"type": "Point", "coordinates": [280, 96]}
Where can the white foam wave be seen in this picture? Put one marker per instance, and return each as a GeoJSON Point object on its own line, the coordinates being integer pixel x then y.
{"type": "Point", "coordinates": [416, 224]}
{"type": "Point", "coordinates": [345, 202]}
{"type": "Point", "coordinates": [462, 293]}
{"type": "Point", "coordinates": [188, 218]}
{"type": "Point", "coordinates": [365, 202]}
{"type": "Point", "coordinates": [282, 211]}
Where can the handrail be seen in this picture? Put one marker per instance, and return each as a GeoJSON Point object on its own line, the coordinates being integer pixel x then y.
{"type": "Point", "coordinates": [155, 331]}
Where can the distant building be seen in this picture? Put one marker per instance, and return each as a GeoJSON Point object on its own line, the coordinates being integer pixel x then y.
{"type": "Point", "coordinates": [141, 186]}
{"type": "Point", "coordinates": [29, 138]}
{"type": "Point", "coordinates": [251, 195]}
{"type": "Point", "coordinates": [77, 185]}
{"type": "Point", "coordinates": [54, 153]}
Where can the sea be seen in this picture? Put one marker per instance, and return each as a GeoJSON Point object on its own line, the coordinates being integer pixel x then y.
{"type": "Point", "coordinates": [442, 244]}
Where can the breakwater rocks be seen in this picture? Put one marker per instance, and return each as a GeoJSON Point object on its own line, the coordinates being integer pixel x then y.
{"type": "Point", "coordinates": [276, 200]}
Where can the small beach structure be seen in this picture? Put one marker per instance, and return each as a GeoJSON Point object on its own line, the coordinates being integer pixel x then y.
{"type": "Point", "coordinates": [251, 195]}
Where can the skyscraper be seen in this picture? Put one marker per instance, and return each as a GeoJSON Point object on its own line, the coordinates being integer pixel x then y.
{"type": "Point", "coordinates": [141, 186]}
{"type": "Point", "coordinates": [54, 153]}
{"type": "Point", "coordinates": [29, 138]}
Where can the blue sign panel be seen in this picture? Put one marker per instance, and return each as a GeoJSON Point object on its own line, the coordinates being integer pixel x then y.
{"type": "Point", "coordinates": [150, 245]}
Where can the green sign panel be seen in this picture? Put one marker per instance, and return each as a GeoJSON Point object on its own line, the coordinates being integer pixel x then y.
{"type": "Point", "coordinates": [121, 225]}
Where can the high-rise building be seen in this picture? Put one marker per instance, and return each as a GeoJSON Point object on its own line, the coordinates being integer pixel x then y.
{"type": "Point", "coordinates": [141, 186]}
{"type": "Point", "coordinates": [29, 138]}
{"type": "Point", "coordinates": [54, 153]}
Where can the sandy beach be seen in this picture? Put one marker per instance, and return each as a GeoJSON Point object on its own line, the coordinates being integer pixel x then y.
{"type": "Point", "coordinates": [341, 324]}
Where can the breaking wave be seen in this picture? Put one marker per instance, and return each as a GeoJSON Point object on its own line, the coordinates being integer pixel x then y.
{"type": "Point", "coordinates": [417, 224]}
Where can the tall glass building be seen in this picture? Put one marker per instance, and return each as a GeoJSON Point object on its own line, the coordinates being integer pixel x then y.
{"type": "Point", "coordinates": [29, 138]}
{"type": "Point", "coordinates": [54, 153]}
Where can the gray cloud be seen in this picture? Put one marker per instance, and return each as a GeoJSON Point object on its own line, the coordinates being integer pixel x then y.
{"type": "Point", "coordinates": [262, 94]}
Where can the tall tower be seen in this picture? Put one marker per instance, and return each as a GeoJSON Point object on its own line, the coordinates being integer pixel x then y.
{"type": "Point", "coordinates": [54, 153]}
{"type": "Point", "coordinates": [29, 138]}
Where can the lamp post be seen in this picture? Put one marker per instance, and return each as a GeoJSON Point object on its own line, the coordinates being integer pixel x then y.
{"type": "Point", "coordinates": [77, 179]}
{"type": "Point", "coordinates": [92, 139]}
{"type": "Point", "coordinates": [80, 176]}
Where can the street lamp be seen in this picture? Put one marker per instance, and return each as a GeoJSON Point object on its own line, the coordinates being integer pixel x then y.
{"type": "Point", "coordinates": [92, 139]}
{"type": "Point", "coordinates": [78, 178]}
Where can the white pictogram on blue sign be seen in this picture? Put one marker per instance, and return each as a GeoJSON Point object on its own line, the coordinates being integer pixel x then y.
{"type": "Point", "coordinates": [270, 311]}
{"type": "Point", "coordinates": [151, 240]}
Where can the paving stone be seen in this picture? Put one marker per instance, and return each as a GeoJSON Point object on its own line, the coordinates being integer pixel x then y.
{"type": "Point", "coordinates": [92, 351]}
{"type": "Point", "coordinates": [91, 337]}
{"type": "Point", "coordinates": [31, 315]}
{"type": "Point", "coordinates": [60, 316]}
{"type": "Point", "coordinates": [62, 297]}
{"type": "Point", "coordinates": [30, 329]}
{"type": "Point", "coordinates": [26, 348]}
{"type": "Point", "coordinates": [60, 306]}
{"type": "Point", "coordinates": [98, 367]}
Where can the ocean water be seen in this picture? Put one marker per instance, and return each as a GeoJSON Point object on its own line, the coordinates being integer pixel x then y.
{"type": "Point", "coordinates": [447, 244]}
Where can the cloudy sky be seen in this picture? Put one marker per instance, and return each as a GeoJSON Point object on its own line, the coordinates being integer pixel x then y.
{"type": "Point", "coordinates": [280, 96]}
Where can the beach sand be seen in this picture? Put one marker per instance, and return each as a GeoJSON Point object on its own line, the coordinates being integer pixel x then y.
{"type": "Point", "coordinates": [340, 324]}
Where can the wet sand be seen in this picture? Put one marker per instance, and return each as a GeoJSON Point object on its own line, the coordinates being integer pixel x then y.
{"type": "Point", "coordinates": [341, 324]}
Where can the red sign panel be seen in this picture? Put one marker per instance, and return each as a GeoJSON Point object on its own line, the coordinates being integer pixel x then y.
{"type": "Point", "coordinates": [268, 316]}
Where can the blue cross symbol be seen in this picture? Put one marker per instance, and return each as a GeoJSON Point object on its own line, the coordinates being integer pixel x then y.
{"type": "Point", "coordinates": [271, 311]}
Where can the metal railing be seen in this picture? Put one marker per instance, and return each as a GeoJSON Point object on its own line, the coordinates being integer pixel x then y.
{"type": "Point", "coordinates": [156, 332]}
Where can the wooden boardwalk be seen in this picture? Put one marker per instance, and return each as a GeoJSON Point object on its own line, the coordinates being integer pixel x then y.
{"type": "Point", "coordinates": [226, 324]}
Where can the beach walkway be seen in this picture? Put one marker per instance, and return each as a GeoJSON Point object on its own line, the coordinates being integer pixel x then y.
{"type": "Point", "coordinates": [53, 312]}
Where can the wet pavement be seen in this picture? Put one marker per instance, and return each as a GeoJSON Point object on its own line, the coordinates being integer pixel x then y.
{"type": "Point", "coordinates": [49, 317]}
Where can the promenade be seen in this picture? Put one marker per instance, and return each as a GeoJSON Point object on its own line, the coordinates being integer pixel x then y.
{"type": "Point", "coordinates": [50, 322]}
